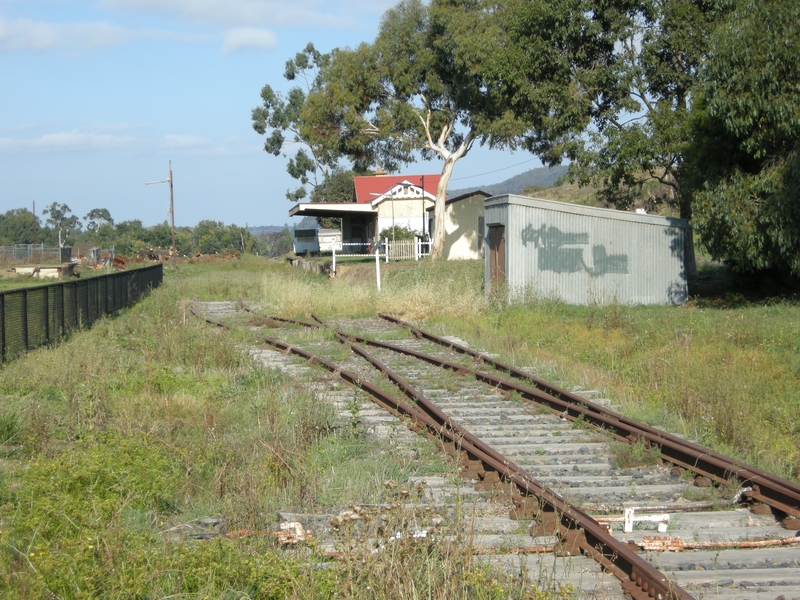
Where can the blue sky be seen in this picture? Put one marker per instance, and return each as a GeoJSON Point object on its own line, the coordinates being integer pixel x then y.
{"type": "Point", "coordinates": [96, 96]}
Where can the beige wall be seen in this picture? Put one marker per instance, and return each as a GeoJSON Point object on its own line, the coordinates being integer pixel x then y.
{"type": "Point", "coordinates": [461, 229]}
{"type": "Point", "coordinates": [407, 213]}
{"type": "Point", "coordinates": [403, 208]}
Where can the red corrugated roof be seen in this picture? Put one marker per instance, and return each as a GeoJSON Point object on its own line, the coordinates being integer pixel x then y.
{"type": "Point", "coordinates": [368, 188]}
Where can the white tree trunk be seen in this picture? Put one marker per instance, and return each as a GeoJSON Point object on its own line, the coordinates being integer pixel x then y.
{"type": "Point", "coordinates": [437, 248]}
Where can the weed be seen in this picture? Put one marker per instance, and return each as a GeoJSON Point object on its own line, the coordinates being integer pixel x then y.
{"type": "Point", "coordinates": [637, 454]}
{"type": "Point", "coordinates": [174, 422]}
{"type": "Point", "coordinates": [580, 422]}
{"type": "Point", "coordinates": [354, 408]}
{"type": "Point", "coordinates": [10, 426]}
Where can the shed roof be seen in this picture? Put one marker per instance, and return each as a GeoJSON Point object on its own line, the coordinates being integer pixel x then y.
{"type": "Point", "coordinates": [593, 211]}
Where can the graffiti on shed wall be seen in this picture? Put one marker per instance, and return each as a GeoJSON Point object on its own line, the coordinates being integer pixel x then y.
{"type": "Point", "coordinates": [563, 252]}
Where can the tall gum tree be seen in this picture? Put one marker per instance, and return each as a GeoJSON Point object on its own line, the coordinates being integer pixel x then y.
{"type": "Point", "coordinates": [284, 120]}
{"type": "Point", "coordinates": [623, 76]}
{"type": "Point", "coordinates": [409, 94]}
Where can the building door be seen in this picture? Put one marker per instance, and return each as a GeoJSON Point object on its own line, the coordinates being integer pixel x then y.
{"type": "Point", "coordinates": [497, 255]}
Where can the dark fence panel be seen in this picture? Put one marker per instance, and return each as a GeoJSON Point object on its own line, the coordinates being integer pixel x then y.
{"type": "Point", "coordinates": [37, 316]}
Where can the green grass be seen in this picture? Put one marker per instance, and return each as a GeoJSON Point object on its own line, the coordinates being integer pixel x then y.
{"type": "Point", "coordinates": [10, 281]}
{"type": "Point", "coordinates": [724, 373]}
{"type": "Point", "coordinates": [634, 455]}
{"type": "Point", "coordinates": [723, 369]}
{"type": "Point", "coordinates": [151, 419]}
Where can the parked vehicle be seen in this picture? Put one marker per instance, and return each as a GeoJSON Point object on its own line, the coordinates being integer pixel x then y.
{"type": "Point", "coordinates": [317, 241]}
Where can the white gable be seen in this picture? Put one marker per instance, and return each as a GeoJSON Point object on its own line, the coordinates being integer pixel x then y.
{"type": "Point", "coordinates": [404, 191]}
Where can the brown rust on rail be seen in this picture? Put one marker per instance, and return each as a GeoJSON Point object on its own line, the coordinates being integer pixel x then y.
{"type": "Point", "coordinates": [578, 531]}
{"type": "Point", "coordinates": [781, 494]}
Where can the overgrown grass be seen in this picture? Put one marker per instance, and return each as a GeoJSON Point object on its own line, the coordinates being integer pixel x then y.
{"type": "Point", "coordinates": [411, 292]}
{"type": "Point", "coordinates": [721, 370]}
{"type": "Point", "coordinates": [724, 373]}
{"type": "Point", "coordinates": [634, 455]}
{"type": "Point", "coordinates": [152, 419]}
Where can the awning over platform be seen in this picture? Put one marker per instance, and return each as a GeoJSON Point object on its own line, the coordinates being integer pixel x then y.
{"type": "Point", "coordinates": [331, 209]}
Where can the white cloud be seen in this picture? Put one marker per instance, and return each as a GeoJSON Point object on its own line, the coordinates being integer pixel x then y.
{"type": "Point", "coordinates": [248, 38]}
{"type": "Point", "coordinates": [25, 34]}
{"type": "Point", "coordinates": [184, 141]}
{"type": "Point", "coordinates": [192, 145]}
{"type": "Point", "coordinates": [274, 13]}
{"type": "Point", "coordinates": [67, 141]}
{"type": "Point", "coordinates": [112, 137]}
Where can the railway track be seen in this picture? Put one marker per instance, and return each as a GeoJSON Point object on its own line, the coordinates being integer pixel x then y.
{"type": "Point", "coordinates": [694, 525]}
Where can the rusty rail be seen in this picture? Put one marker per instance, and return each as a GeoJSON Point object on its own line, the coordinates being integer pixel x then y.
{"type": "Point", "coordinates": [770, 489]}
{"type": "Point", "coordinates": [765, 487]}
{"type": "Point", "coordinates": [578, 531]}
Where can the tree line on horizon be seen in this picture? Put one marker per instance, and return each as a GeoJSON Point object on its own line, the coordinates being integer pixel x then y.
{"type": "Point", "coordinates": [98, 229]}
{"type": "Point", "coordinates": [700, 96]}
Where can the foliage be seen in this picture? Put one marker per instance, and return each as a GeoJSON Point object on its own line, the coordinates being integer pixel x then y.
{"type": "Point", "coordinates": [663, 47]}
{"type": "Point", "coordinates": [9, 426]}
{"type": "Point", "coordinates": [609, 87]}
{"type": "Point", "coordinates": [117, 457]}
{"type": "Point", "coordinates": [414, 92]}
{"type": "Point", "coordinates": [637, 454]}
{"type": "Point", "coordinates": [209, 237]}
{"type": "Point", "coordinates": [746, 155]}
{"type": "Point", "coordinates": [723, 373]}
{"type": "Point", "coordinates": [176, 424]}
{"type": "Point", "coordinates": [61, 219]}
{"type": "Point", "coordinates": [96, 217]}
{"type": "Point", "coordinates": [337, 187]}
{"type": "Point", "coordinates": [277, 243]}
{"type": "Point", "coordinates": [19, 226]}
{"type": "Point", "coordinates": [398, 232]}
{"type": "Point", "coordinates": [278, 116]}
{"type": "Point", "coordinates": [128, 237]}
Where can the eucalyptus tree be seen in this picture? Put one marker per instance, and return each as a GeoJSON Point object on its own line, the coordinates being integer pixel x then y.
{"type": "Point", "coordinates": [408, 94]}
{"type": "Point", "coordinates": [61, 219]}
{"type": "Point", "coordinates": [623, 75]}
{"type": "Point", "coordinates": [747, 140]}
{"type": "Point", "coordinates": [98, 217]}
{"type": "Point", "coordinates": [286, 121]}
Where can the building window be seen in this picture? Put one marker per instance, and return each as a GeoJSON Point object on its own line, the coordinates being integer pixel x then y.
{"type": "Point", "coordinates": [481, 232]}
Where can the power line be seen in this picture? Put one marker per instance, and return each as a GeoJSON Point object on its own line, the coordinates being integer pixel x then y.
{"type": "Point", "coordinates": [495, 171]}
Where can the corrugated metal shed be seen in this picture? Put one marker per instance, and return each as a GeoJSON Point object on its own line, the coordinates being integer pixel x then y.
{"type": "Point", "coordinates": [584, 255]}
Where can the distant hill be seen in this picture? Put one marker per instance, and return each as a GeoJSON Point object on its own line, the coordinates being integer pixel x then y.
{"type": "Point", "coordinates": [305, 223]}
{"type": "Point", "coordinates": [265, 229]}
{"type": "Point", "coordinates": [542, 176]}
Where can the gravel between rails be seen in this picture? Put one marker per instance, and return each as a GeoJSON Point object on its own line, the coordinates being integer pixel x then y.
{"type": "Point", "coordinates": [576, 463]}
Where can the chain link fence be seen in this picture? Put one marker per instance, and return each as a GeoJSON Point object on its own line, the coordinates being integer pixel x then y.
{"type": "Point", "coordinates": [33, 317]}
{"type": "Point", "coordinates": [34, 253]}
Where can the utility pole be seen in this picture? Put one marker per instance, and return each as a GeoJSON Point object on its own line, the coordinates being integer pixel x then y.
{"type": "Point", "coordinates": [173, 251]}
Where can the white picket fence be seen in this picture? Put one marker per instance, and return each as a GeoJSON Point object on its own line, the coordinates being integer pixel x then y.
{"type": "Point", "coordinates": [387, 249]}
{"type": "Point", "coordinates": [408, 249]}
